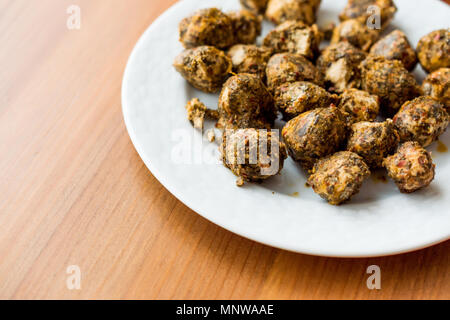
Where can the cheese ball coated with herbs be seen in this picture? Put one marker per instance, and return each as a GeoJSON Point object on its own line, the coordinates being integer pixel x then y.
{"type": "Point", "coordinates": [339, 63]}
{"type": "Point", "coordinates": [279, 11]}
{"type": "Point", "coordinates": [373, 141]}
{"type": "Point", "coordinates": [338, 177]}
{"type": "Point", "coordinates": [411, 167]}
{"type": "Point", "coordinates": [395, 46]}
{"type": "Point", "coordinates": [437, 86]}
{"type": "Point", "coordinates": [433, 50]}
{"type": "Point", "coordinates": [314, 135]}
{"type": "Point", "coordinates": [423, 120]}
{"type": "Point", "coordinates": [206, 68]}
{"type": "Point", "coordinates": [292, 99]}
{"type": "Point", "coordinates": [256, 6]}
{"type": "Point", "coordinates": [246, 26]}
{"type": "Point", "coordinates": [358, 105]}
{"type": "Point", "coordinates": [356, 32]}
{"type": "Point", "coordinates": [209, 27]}
{"type": "Point", "coordinates": [245, 102]}
{"type": "Point", "coordinates": [359, 8]}
{"type": "Point", "coordinates": [252, 155]}
{"type": "Point", "coordinates": [294, 37]}
{"type": "Point", "coordinates": [289, 67]}
{"type": "Point", "coordinates": [390, 81]}
{"type": "Point", "coordinates": [250, 59]}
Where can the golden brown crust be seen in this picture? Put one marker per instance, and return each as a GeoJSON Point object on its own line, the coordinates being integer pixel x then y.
{"type": "Point", "coordinates": [373, 141]}
{"type": "Point", "coordinates": [294, 37]}
{"type": "Point", "coordinates": [356, 32]}
{"type": "Point", "coordinates": [250, 59]}
{"type": "Point", "coordinates": [243, 153]}
{"type": "Point", "coordinates": [433, 50]}
{"type": "Point", "coordinates": [338, 177]}
{"type": "Point", "coordinates": [396, 46]}
{"type": "Point", "coordinates": [205, 67]}
{"type": "Point", "coordinates": [206, 27]}
{"type": "Point", "coordinates": [279, 11]}
{"type": "Point", "coordinates": [390, 81]}
{"type": "Point", "coordinates": [256, 6]}
{"type": "Point", "coordinates": [289, 67]}
{"type": "Point", "coordinates": [411, 167]}
{"type": "Point", "coordinates": [292, 99]}
{"type": "Point", "coordinates": [314, 135]}
{"type": "Point", "coordinates": [245, 102]}
{"type": "Point", "coordinates": [339, 63]}
{"type": "Point", "coordinates": [197, 112]}
{"type": "Point", "coordinates": [246, 26]}
{"type": "Point", "coordinates": [423, 120]}
{"type": "Point", "coordinates": [437, 86]}
{"type": "Point", "coordinates": [358, 105]}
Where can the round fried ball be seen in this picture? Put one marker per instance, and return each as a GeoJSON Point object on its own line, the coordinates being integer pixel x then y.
{"type": "Point", "coordinates": [395, 46]}
{"type": "Point", "coordinates": [256, 6]}
{"type": "Point", "coordinates": [437, 85]}
{"type": "Point", "coordinates": [250, 59]}
{"type": "Point", "coordinates": [359, 8]}
{"type": "Point", "coordinates": [279, 11]}
{"type": "Point", "coordinates": [339, 63]}
{"type": "Point", "coordinates": [356, 32]}
{"type": "Point", "coordinates": [411, 167]}
{"type": "Point", "coordinates": [294, 98]}
{"type": "Point", "coordinates": [295, 37]}
{"type": "Point", "coordinates": [314, 135]}
{"type": "Point", "coordinates": [358, 105]}
{"type": "Point", "coordinates": [245, 102]}
{"type": "Point", "coordinates": [206, 68]}
{"type": "Point", "coordinates": [423, 120]}
{"type": "Point", "coordinates": [289, 67]}
{"type": "Point", "coordinates": [373, 141]}
{"type": "Point", "coordinates": [253, 155]}
{"type": "Point", "coordinates": [246, 26]}
{"type": "Point", "coordinates": [433, 50]}
{"type": "Point", "coordinates": [338, 177]}
{"type": "Point", "coordinates": [390, 81]}
{"type": "Point", "coordinates": [207, 27]}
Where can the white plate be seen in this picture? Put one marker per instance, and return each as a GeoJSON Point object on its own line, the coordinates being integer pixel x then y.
{"type": "Point", "coordinates": [378, 221]}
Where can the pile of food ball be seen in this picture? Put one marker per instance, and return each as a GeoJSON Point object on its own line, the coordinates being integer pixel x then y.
{"type": "Point", "coordinates": [332, 99]}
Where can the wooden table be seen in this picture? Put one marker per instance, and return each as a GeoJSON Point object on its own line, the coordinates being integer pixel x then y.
{"type": "Point", "coordinates": [73, 190]}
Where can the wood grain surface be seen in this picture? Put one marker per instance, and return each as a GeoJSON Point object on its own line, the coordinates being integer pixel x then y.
{"type": "Point", "coordinates": [73, 190]}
